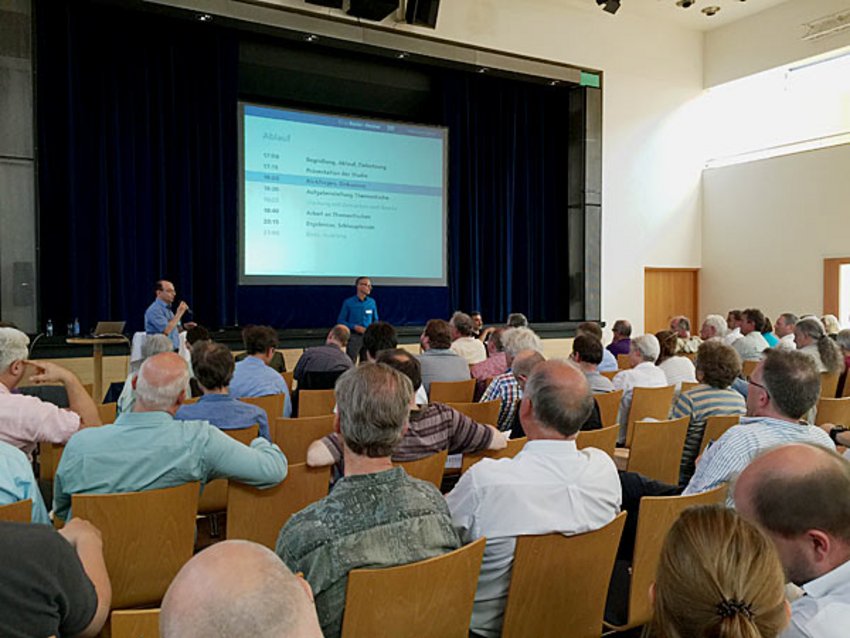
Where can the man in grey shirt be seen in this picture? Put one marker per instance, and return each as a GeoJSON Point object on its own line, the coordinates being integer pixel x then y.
{"type": "Point", "coordinates": [587, 355]}
{"type": "Point", "coordinates": [439, 362]}
{"type": "Point", "coordinates": [329, 357]}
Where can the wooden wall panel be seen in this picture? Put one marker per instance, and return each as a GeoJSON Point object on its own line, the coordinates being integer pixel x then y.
{"type": "Point", "coordinates": [669, 292]}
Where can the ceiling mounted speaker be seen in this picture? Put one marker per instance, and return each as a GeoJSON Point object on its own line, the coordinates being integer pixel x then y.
{"type": "Point", "coordinates": [375, 10]}
{"type": "Point", "coordinates": [422, 12]}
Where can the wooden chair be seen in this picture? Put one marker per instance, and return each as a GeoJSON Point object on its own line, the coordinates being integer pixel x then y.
{"type": "Point", "coordinates": [107, 412]}
{"type": "Point", "coordinates": [657, 515]}
{"type": "Point", "coordinates": [315, 402]}
{"type": "Point", "coordinates": [688, 385]}
{"type": "Point", "coordinates": [835, 411]}
{"type": "Point", "coordinates": [604, 439]}
{"type": "Point", "coordinates": [451, 391]}
{"type": "Point", "coordinates": [623, 362]}
{"type": "Point", "coordinates": [747, 368]}
{"type": "Point", "coordinates": [610, 374]}
{"type": "Point", "coordinates": [609, 406]}
{"type": "Point", "coordinates": [829, 384]}
{"type": "Point", "coordinates": [846, 390]}
{"type": "Point", "coordinates": [135, 623]}
{"type": "Point", "coordinates": [558, 584]}
{"type": "Point", "coordinates": [509, 452]}
{"type": "Point", "coordinates": [257, 515]}
{"type": "Point", "coordinates": [191, 401]}
{"type": "Point", "coordinates": [17, 512]}
{"type": "Point", "coordinates": [272, 404]}
{"type": "Point", "coordinates": [487, 412]}
{"type": "Point", "coordinates": [649, 403]}
{"type": "Point", "coordinates": [378, 602]}
{"type": "Point", "coordinates": [294, 436]}
{"type": "Point", "coordinates": [89, 388]}
{"type": "Point", "coordinates": [147, 538]}
{"type": "Point", "coordinates": [656, 450]}
{"type": "Point", "coordinates": [428, 469]}
{"type": "Point", "coordinates": [49, 455]}
{"type": "Point", "coordinates": [214, 495]}
{"type": "Point", "coordinates": [715, 427]}
{"type": "Point", "coordinates": [289, 379]}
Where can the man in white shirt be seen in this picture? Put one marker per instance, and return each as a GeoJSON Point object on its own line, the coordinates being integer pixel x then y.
{"type": "Point", "coordinates": [784, 329]}
{"type": "Point", "coordinates": [733, 323]}
{"type": "Point", "coordinates": [465, 343]}
{"type": "Point", "coordinates": [752, 344]}
{"type": "Point", "coordinates": [800, 496]}
{"type": "Point", "coordinates": [644, 373]}
{"type": "Point", "coordinates": [550, 486]}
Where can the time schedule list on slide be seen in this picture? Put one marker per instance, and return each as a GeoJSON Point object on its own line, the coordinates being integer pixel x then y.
{"type": "Point", "coordinates": [335, 196]}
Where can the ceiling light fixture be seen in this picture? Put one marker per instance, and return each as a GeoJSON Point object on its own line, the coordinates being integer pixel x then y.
{"type": "Point", "coordinates": [710, 11]}
{"type": "Point", "coordinates": [611, 6]}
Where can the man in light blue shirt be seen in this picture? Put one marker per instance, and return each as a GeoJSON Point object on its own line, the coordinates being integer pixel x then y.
{"type": "Point", "coordinates": [159, 319]}
{"type": "Point", "coordinates": [213, 366]}
{"type": "Point", "coordinates": [17, 482]}
{"type": "Point", "coordinates": [358, 312]}
{"type": "Point", "coordinates": [148, 449]}
{"type": "Point", "coordinates": [253, 377]}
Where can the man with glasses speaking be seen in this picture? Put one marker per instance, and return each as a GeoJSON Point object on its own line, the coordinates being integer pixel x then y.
{"type": "Point", "coordinates": [160, 319]}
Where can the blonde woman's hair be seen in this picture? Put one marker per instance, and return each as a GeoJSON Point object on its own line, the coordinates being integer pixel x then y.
{"type": "Point", "coordinates": [718, 577]}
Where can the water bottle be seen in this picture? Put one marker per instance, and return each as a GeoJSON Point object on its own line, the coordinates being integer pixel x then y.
{"type": "Point", "coordinates": [49, 330]}
{"type": "Point", "coordinates": [76, 327]}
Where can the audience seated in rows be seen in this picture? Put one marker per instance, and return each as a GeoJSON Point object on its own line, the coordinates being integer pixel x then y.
{"type": "Point", "coordinates": [516, 320]}
{"type": "Point", "coordinates": [550, 486]}
{"type": "Point", "coordinates": [677, 369]}
{"type": "Point", "coordinates": [592, 329]}
{"type": "Point", "coordinates": [330, 357]}
{"type": "Point", "coordinates": [17, 482]}
{"type": "Point", "coordinates": [213, 365]}
{"type": "Point", "coordinates": [621, 339]}
{"type": "Point", "coordinates": [148, 449]}
{"type": "Point", "coordinates": [253, 377]}
{"type": "Point", "coordinates": [438, 361]}
{"type": "Point", "coordinates": [831, 325]}
{"type": "Point", "coordinates": [523, 365]}
{"type": "Point", "coordinates": [733, 325]}
{"type": "Point", "coordinates": [812, 340]}
{"type": "Point", "coordinates": [685, 341]}
{"type": "Point", "coordinates": [26, 421]}
{"type": "Point", "coordinates": [153, 344]}
{"type": "Point", "coordinates": [713, 327]}
{"type": "Point", "coordinates": [587, 355]}
{"type": "Point", "coordinates": [235, 589]}
{"type": "Point", "coordinates": [477, 323]}
{"type": "Point", "coordinates": [644, 373]}
{"type": "Point", "coordinates": [432, 428]}
{"type": "Point", "coordinates": [505, 386]}
{"type": "Point", "coordinates": [378, 336]}
{"type": "Point", "coordinates": [784, 329]}
{"type": "Point", "coordinates": [495, 364]}
{"type": "Point", "coordinates": [464, 341]}
{"type": "Point", "coordinates": [767, 333]}
{"type": "Point", "coordinates": [376, 516]}
{"type": "Point", "coordinates": [752, 344]}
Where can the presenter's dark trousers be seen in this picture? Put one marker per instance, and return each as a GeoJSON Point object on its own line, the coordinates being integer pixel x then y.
{"type": "Point", "coordinates": [355, 347]}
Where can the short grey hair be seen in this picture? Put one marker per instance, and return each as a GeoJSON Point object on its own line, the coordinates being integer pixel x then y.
{"type": "Point", "coordinates": [155, 396]}
{"type": "Point", "coordinates": [718, 323]}
{"type": "Point", "coordinates": [790, 318]}
{"type": "Point", "coordinates": [13, 347]}
{"type": "Point", "coordinates": [154, 344]}
{"type": "Point", "coordinates": [462, 322]}
{"type": "Point", "coordinates": [373, 403]}
{"type": "Point", "coordinates": [515, 340]}
{"type": "Point", "coordinates": [648, 347]}
{"type": "Point", "coordinates": [517, 320]}
{"type": "Point", "coordinates": [557, 404]}
{"type": "Point", "coordinates": [843, 339]}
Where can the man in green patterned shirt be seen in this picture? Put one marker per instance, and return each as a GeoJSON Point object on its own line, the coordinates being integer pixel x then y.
{"type": "Point", "coordinates": [376, 516]}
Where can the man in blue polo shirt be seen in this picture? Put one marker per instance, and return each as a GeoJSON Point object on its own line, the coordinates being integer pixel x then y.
{"type": "Point", "coordinates": [358, 313]}
{"type": "Point", "coordinates": [159, 319]}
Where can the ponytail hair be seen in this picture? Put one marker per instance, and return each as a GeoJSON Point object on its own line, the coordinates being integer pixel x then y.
{"type": "Point", "coordinates": [830, 353]}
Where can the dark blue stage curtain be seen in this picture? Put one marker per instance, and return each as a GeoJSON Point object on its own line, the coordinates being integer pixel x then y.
{"type": "Point", "coordinates": [136, 162]}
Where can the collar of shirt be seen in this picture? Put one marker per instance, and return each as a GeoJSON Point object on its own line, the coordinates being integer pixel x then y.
{"type": "Point", "coordinates": [162, 303]}
{"type": "Point", "coordinates": [143, 419]}
{"type": "Point", "coordinates": [829, 582]}
{"type": "Point", "coordinates": [4, 389]}
{"type": "Point", "coordinates": [214, 398]}
{"type": "Point", "coordinates": [549, 447]}
{"type": "Point", "coordinates": [766, 420]}
{"type": "Point", "coordinates": [644, 365]}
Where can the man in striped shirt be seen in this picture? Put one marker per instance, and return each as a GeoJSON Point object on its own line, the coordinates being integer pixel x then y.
{"type": "Point", "coordinates": [505, 386]}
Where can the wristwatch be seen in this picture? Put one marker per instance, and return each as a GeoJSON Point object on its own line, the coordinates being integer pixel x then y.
{"type": "Point", "coordinates": [834, 432]}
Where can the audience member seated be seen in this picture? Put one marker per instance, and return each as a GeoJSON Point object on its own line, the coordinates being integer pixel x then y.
{"type": "Point", "coordinates": [812, 341]}
{"type": "Point", "coordinates": [621, 340]}
{"type": "Point", "coordinates": [831, 326]}
{"type": "Point", "coordinates": [493, 366]}
{"type": "Point", "coordinates": [477, 323]}
{"type": "Point", "coordinates": [505, 386]}
{"type": "Point", "coordinates": [587, 355]}
{"type": "Point", "coordinates": [17, 482]}
{"type": "Point", "coordinates": [676, 368]}
{"type": "Point", "coordinates": [685, 342]}
{"type": "Point", "coordinates": [253, 377]}
{"type": "Point", "coordinates": [733, 325]}
{"type": "Point", "coordinates": [328, 359]}
{"type": "Point", "coordinates": [800, 496]}
{"type": "Point", "coordinates": [54, 583]}
{"type": "Point", "coordinates": [153, 344]}
{"type": "Point", "coordinates": [714, 327]}
{"type": "Point", "coordinates": [752, 344]}
{"type": "Point", "coordinates": [767, 333]}
{"type": "Point", "coordinates": [464, 341]}
{"type": "Point", "coordinates": [25, 420]}
{"type": "Point", "coordinates": [431, 429]}
{"type": "Point", "coordinates": [643, 374]}
{"type": "Point", "coordinates": [718, 575]}
{"type": "Point", "coordinates": [148, 449]}
{"type": "Point", "coordinates": [783, 388]}
{"type": "Point", "coordinates": [439, 362]}
{"type": "Point", "coordinates": [592, 329]}
{"type": "Point", "coordinates": [378, 336]}
{"type": "Point", "coordinates": [784, 329]}
{"type": "Point", "coordinates": [550, 486]}
{"type": "Point", "coordinates": [843, 341]}
{"type": "Point", "coordinates": [516, 320]}
{"type": "Point", "coordinates": [376, 516]}
{"type": "Point", "coordinates": [213, 364]}
{"type": "Point", "coordinates": [235, 589]}
{"type": "Point", "coordinates": [718, 365]}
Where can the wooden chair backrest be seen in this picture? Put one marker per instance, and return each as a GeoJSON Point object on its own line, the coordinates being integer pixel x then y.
{"type": "Point", "coordinates": [378, 602]}
{"type": "Point", "coordinates": [294, 436]}
{"type": "Point", "coordinates": [561, 581]}
{"type": "Point", "coordinates": [135, 623]}
{"type": "Point", "coordinates": [835, 411]}
{"type": "Point", "coordinates": [623, 362]}
{"type": "Point", "coordinates": [89, 388]}
{"type": "Point", "coordinates": [656, 450]}
{"type": "Point", "coordinates": [272, 404]}
{"type": "Point", "coordinates": [17, 512]}
{"type": "Point", "coordinates": [657, 515]}
{"type": "Point", "coordinates": [747, 368]}
{"type": "Point", "coordinates": [289, 379]}
{"type": "Point", "coordinates": [257, 515]}
{"type": "Point", "coordinates": [147, 537]}
{"type": "Point", "coordinates": [715, 427]}
{"type": "Point", "coordinates": [688, 355]}
{"type": "Point", "coordinates": [609, 374]}
{"type": "Point", "coordinates": [509, 452]}
{"type": "Point", "coordinates": [107, 412]}
{"type": "Point", "coordinates": [316, 402]}
{"type": "Point", "coordinates": [214, 495]}
{"type": "Point", "coordinates": [190, 400]}
{"type": "Point", "coordinates": [829, 384]}
{"type": "Point", "coordinates": [649, 403]}
{"type": "Point", "coordinates": [49, 455]}
{"type": "Point", "coordinates": [688, 385]}
{"type": "Point", "coordinates": [609, 406]}
{"type": "Point", "coordinates": [604, 439]}
{"type": "Point", "coordinates": [486, 412]}
{"type": "Point", "coordinates": [428, 469]}
{"type": "Point", "coordinates": [451, 391]}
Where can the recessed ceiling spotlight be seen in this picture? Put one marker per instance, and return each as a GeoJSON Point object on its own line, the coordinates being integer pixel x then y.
{"type": "Point", "coordinates": [710, 11]}
{"type": "Point", "coordinates": [611, 6]}
{"type": "Point", "coordinates": [483, 69]}
{"type": "Point", "coordinates": [401, 55]}
{"type": "Point", "coordinates": [311, 38]}
{"type": "Point", "coordinates": [204, 17]}
{"type": "Point", "coordinates": [685, 4]}
{"type": "Point", "coordinates": [554, 82]}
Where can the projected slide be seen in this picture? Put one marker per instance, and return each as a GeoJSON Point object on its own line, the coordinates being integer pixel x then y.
{"type": "Point", "coordinates": [327, 198]}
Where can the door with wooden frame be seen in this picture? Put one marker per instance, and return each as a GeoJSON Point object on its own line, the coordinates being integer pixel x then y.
{"type": "Point", "coordinates": [669, 292]}
{"type": "Point", "coordinates": [836, 280]}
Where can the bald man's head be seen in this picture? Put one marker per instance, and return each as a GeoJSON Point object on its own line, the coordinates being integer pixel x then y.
{"type": "Point", "coordinates": [559, 397]}
{"type": "Point", "coordinates": [161, 379]}
{"type": "Point", "coordinates": [234, 589]}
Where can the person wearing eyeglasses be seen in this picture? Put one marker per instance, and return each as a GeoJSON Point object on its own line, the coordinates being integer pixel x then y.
{"type": "Point", "coordinates": [782, 389]}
